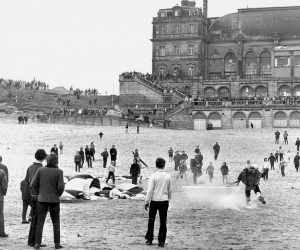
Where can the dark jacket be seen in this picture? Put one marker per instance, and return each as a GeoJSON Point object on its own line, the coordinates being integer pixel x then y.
{"type": "Point", "coordinates": [104, 154]}
{"type": "Point", "coordinates": [216, 148]}
{"type": "Point", "coordinates": [4, 168]}
{"type": "Point", "coordinates": [82, 155]}
{"type": "Point", "coordinates": [250, 177]}
{"type": "Point", "coordinates": [195, 166]}
{"type": "Point", "coordinates": [54, 150]}
{"type": "Point", "coordinates": [88, 152]}
{"type": "Point", "coordinates": [296, 160]}
{"type": "Point", "coordinates": [113, 152]}
{"type": "Point", "coordinates": [170, 153]}
{"type": "Point", "coordinates": [224, 170]}
{"type": "Point", "coordinates": [272, 158]}
{"type": "Point", "coordinates": [77, 158]}
{"type": "Point", "coordinates": [48, 184]}
{"type": "Point", "coordinates": [297, 143]}
{"type": "Point", "coordinates": [3, 184]}
{"type": "Point", "coordinates": [135, 169]}
{"type": "Point", "coordinates": [31, 171]}
{"type": "Point", "coordinates": [177, 158]}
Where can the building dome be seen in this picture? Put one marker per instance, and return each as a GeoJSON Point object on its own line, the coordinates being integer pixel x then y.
{"type": "Point", "coordinates": [258, 23]}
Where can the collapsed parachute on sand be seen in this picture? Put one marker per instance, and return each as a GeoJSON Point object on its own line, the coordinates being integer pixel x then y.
{"type": "Point", "coordinates": [86, 187]}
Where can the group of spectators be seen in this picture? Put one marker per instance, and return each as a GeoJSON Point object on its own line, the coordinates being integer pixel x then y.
{"type": "Point", "coordinates": [88, 92]}
{"type": "Point", "coordinates": [63, 101]}
{"type": "Point", "coordinates": [33, 85]}
{"type": "Point", "coordinates": [78, 111]}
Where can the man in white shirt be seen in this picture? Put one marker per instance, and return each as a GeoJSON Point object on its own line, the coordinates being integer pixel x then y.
{"type": "Point", "coordinates": [158, 197]}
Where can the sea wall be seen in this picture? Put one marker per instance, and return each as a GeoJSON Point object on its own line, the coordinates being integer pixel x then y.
{"type": "Point", "coordinates": [93, 121]}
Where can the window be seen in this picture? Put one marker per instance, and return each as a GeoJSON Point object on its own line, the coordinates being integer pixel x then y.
{"type": "Point", "coordinates": [176, 29]}
{"type": "Point", "coordinates": [215, 63]}
{"type": "Point", "coordinates": [282, 61]}
{"type": "Point", "coordinates": [191, 13]}
{"type": "Point", "coordinates": [297, 61]}
{"type": "Point", "coordinates": [162, 50]}
{"type": "Point", "coordinates": [191, 70]}
{"type": "Point", "coordinates": [176, 70]}
{"type": "Point", "coordinates": [163, 14]}
{"type": "Point", "coordinates": [265, 63]}
{"type": "Point", "coordinates": [191, 50]}
{"type": "Point", "coordinates": [230, 63]}
{"type": "Point", "coordinates": [191, 28]}
{"type": "Point", "coordinates": [251, 63]}
{"type": "Point", "coordinates": [176, 50]}
{"type": "Point", "coordinates": [163, 29]}
{"type": "Point", "coordinates": [176, 13]}
{"type": "Point", "coordinates": [162, 71]}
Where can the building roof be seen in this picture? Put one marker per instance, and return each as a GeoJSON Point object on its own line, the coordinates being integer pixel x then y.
{"type": "Point", "coordinates": [255, 23]}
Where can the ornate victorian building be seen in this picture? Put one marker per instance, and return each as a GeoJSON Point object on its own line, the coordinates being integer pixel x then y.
{"type": "Point", "coordinates": [254, 52]}
{"type": "Point", "coordinates": [248, 53]}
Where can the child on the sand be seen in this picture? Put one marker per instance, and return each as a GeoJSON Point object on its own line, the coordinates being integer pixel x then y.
{"type": "Point", "coordinates": [111, 172]}
{"type": "Point", "coordinates": [182, 169]}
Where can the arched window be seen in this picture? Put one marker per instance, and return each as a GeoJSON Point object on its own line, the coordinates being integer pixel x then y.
{"type": "Point", "coordinates": [230, 63]}
{"type": "Point", "coordinates": [265, 63]}
{"type": "Point", "coordinates": [251, 64]}
{"type": "Point", "coordinates": [176, 13]}
{"type": "Point", "coordinates": [284, 91]}
{"type": "Point", "coordinates": [209, 92]}
{"type": "Point", "coordinates": [261, 91]}
{"type": "Point", "coordinates": [223, 92]}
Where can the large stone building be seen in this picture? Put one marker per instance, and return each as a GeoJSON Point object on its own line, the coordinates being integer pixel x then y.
{"type": "Point", "coordinates": [254, 52]}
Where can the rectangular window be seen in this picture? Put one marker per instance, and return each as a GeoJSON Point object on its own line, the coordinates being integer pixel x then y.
{"type": "Point", "coordinates": [191, 71]}
{"type": "Point", "coordinates": [162, 71]}
{"type": "Point", "coordinates": [282, 61]}
{"type": "Point", "coordinates": [192, 28]}
{"type": "Point", "coordinates": [176, 29]}
{"type": "Point", "coordinates": [176, 70]}
{"type": "Point", "coordinates": [163, 30]}
{"type": "Point", "coordinates": [191, 50]}
{"type": "Point", "coordinates": [162, 51]}
{"type": "Point", "coordinates": [297, 61]}
{"type": "Point", "coordinates": [176, 50]}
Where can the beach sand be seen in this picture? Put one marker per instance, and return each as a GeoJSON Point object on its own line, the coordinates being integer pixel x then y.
{"type": "Point", "coordinates": [208, 217]}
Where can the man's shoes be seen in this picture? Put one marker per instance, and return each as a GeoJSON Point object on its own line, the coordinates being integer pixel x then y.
{"type": "Point", "coordinates": [262, 199]}
{"type": "Point", "coordinates": [58, 246]}
{"type": "Point", "coordinates": [25, 222]}
{"type": "Point", "coordinates": [4, 235]}
{"type": "Point", "coordinates": [37, 246]}
{"type": "Point", "coordinates": [161, 244]}
{"type": "Point", "coordinates": [149, 242]}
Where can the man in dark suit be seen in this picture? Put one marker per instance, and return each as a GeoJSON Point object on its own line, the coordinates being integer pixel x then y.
{"type": "Point", "coordinates": [113, 153]}
{"type": "Point", "coordinates": [81, 152]}
{"type": "Point", "coordinates": [48, 185]}
{"type": "Point", "coordinates": [88, 156]}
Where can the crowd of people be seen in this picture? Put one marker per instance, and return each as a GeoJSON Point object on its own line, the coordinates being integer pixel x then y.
{"type": "Point", "coordinates": [33, 85]}
{"type": "Point", "coordinates": [79, 92]}
{"type": "Point", "coordinates": [78, 111]}
{"type": "Point", "coordinates": [42, 186]}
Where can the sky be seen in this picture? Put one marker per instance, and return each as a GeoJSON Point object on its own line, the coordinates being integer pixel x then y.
{"type": "Point", "coordinates": [87, 43]}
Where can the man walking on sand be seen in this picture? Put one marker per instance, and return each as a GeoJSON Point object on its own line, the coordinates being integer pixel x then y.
{"type": "Point", "coordinates": [277, 135]}
{"type": "Point", "coordinates": [158, 198]}
{"type": "Point", "coordinates": [216, 149]}
{"type": "Point", "coordinates": [297, 144]}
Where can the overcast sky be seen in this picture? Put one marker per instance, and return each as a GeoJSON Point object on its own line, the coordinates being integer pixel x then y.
{"type": "Point", "coordinates": [87, 43]}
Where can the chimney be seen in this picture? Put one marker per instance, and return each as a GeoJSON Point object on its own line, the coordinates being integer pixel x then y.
{"type": "Point", "coordinates": [205, 6]}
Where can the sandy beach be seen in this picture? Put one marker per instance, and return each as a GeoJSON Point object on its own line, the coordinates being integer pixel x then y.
{"type": "Point", "coordinates": [207, 217]}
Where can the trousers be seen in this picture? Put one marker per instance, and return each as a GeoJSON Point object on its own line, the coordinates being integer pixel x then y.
{"type": "Point", "coordinates": [2, 229]}
{"type": "Point", "coordinates": [54, 209]}
{"type": "Point", "coordinates": [162, 208]}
